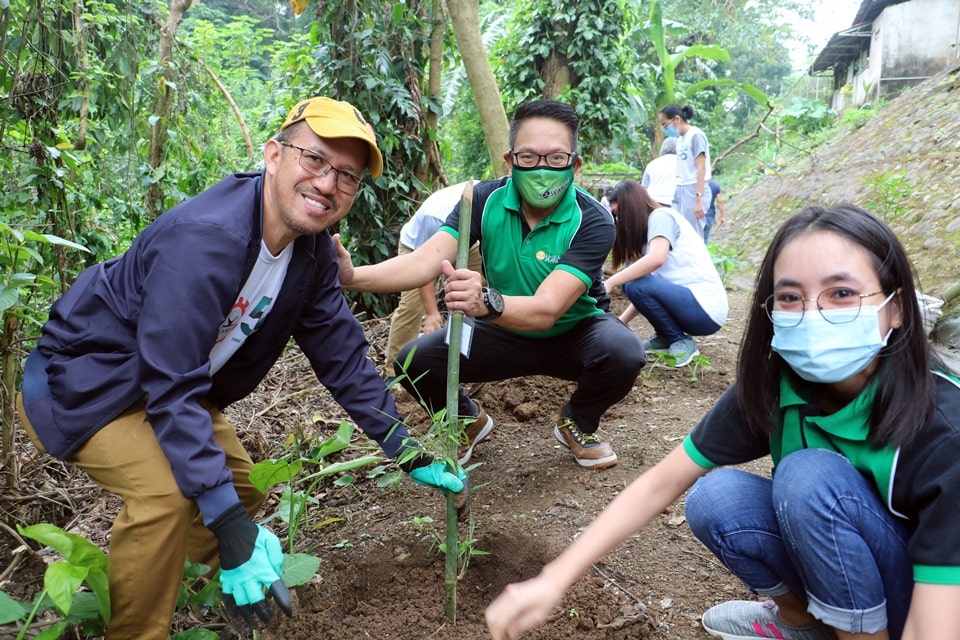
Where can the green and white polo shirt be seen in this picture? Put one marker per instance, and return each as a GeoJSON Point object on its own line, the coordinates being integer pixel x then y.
{"type": "Point", "coordinates": [576, 237]}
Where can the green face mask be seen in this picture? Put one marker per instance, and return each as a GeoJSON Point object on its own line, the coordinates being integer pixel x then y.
{"type": "Point", "coordinates": [542, 187]}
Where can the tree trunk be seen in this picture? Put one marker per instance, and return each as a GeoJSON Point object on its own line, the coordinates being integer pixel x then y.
{"type": "Point", "coordinates": [9, 368]}
{"type": "Point", "coordinates": [556, 75]}
{"type": "Point", "coordinates": [165, 95]}
{"type": "Point", "coordinates": [82, 67]}
{"type": "Point", "coordinates": [432, 152]}
{"type": "Point", "coordinates": [465, 15]}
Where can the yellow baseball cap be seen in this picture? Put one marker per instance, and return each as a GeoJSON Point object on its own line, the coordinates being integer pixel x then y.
{"type": "Point", "coordinates": [330, 118]}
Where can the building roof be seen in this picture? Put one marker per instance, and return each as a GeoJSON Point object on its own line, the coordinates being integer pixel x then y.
{"type": "Point", "coordinates": [845, 46]}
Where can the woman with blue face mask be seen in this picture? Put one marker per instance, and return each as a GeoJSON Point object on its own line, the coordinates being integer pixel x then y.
{"type": "Point", "coordinates": [854, 533]}
{"type": "Point", "coordinates": [692, 194]}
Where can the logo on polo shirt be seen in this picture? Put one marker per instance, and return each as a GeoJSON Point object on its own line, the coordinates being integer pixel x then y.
{"type": "Point", "coordinates": [543, 256]}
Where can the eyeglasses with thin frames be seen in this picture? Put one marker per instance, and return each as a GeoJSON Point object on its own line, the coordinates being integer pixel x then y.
{"type": "Point", "coordinates": [317, 165]}
{"type": "Point", "coordinates": [555, 160]}
{"type": "Point", "coordinates": [786, 309]}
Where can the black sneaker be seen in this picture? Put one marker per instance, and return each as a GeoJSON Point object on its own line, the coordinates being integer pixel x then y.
{"type": "Point", "coordinates": [587, 448]}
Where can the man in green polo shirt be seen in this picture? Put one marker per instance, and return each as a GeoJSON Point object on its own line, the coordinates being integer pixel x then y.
{"type": "Point", "coordinates": [544, 242]}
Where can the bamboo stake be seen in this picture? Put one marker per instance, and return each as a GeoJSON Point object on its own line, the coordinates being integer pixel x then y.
{"type": "Point", "coordinates": [452, 431]}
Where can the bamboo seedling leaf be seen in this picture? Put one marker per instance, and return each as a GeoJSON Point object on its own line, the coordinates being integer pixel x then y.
{"type": "Point", "coordinates": [349, 465]}
{"type": "Point", "coordinates": [267, 473]}
{"type": "Point", "coordinates": [53, 632]}
{"type": "Point", "coordinates": [337, 442]}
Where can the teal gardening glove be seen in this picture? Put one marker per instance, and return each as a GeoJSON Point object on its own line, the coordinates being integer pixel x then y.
{"type": "Point", "coordinates": [251, 560]}
{"type": "Point", "coordinates": [436, 474]}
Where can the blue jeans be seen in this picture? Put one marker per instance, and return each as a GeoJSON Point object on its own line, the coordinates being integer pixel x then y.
{"type": "Point", "coordinates": [818, 529]}
{"type": "Point", "coordinates": [707, 225]}
{"type": "Point", "coordinates": [669, 307]}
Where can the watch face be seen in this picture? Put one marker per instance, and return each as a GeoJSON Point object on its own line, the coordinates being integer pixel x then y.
{"type": "Point", "coordinates": [494, 301]}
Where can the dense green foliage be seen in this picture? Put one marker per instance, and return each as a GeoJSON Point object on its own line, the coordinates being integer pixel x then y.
{"type": "Point", "coordinates": [82, 88]}
{"type": "Point", "coordinates": [593, 39]}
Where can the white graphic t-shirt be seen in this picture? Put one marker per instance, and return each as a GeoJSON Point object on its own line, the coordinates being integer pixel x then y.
{"type": "Point", "coordinates": [252, 306]}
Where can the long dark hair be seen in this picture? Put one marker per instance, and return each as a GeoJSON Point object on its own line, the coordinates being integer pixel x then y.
{"type": "Point", "coordinates": [634, 205]}
{"type": "Point", "coordinates": [905, 388]}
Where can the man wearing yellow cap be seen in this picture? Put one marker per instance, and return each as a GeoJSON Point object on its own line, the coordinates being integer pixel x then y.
{"type": "Point", "coordinates": [141, 355]}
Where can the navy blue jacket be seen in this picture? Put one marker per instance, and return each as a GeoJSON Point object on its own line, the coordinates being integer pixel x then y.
{"type": "Point", "coordinates": [141, 326]}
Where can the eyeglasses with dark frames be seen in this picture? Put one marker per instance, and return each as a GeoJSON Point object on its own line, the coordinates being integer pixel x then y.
{"type": "Point", "coordinates": [318, 166]}
{"type": "Point", "coordinates": [786, 309]}
{"type": "Point", "coordinates": [555, 160]}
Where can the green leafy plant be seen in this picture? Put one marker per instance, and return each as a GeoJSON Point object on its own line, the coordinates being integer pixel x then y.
{"type": "Point", "coordinates": [200, 595]}
{"type": "Point", "coordinates": [288, 468]}
{"type": "Point", "coordinates": [89, 609]}
{"type": "Point", "coordinates": [890, 193]}
{"type": "Point", "coordinates": [664, 359]}
{"type": "Point", "coordinates": [83, 563]}
{"type": "Point", "coordinates": [726, 260]}
{"type": "Point", "coordinates": [860, 116]}
{"type": "Point", "coordinates": [446, 430]}
{"type": "Point", "coordinates": [806, 115]}
{"type": "Point", "coordinates": [466, 549]}
{"type": "Point", "coordinates": [22, 274]}
{"type": "Point", "coordinates": [419, 522]}
{"type": "Point", "coordinates": [670, 61]}
{"type": "Point", "coordinates": [698, 362]}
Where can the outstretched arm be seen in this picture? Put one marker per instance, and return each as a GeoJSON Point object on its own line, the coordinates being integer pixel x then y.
{"type": "Point", "coordinates": [400, 273]}
{"type": "Point", "coordinates": [652, 260]}
{"type": "Point", "coordinates": [525, 605]}
{"type": "Point", "coordinates": [539, 312]}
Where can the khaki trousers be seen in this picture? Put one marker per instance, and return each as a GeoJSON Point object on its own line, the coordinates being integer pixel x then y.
{"type": "Point", "coordinates": [157, 527]}
{"type": "Point", "coordinates": [408, 316]}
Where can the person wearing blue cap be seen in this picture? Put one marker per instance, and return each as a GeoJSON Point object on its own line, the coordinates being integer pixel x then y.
{"type": "Point", "coordinates": [141, 355]}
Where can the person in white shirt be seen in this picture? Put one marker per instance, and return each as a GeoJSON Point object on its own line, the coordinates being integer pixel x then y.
{"type": "Point", "coordinates": [669, 276]}
{"type": "Point", "coordinates": [692, 195]}
{"type": "Point", "coordinates": [660, 175]}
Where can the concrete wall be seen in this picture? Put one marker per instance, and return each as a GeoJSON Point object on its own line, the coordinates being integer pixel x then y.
{"type": "Point", "coordinates": [911, 42]}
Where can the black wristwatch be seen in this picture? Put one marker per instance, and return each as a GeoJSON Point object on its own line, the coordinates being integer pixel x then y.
{"type": "Point", "coordinates": [494, 302]}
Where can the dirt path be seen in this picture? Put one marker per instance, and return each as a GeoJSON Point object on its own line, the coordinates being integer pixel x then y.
{"type": "Point", "coordinates": [382, 576]}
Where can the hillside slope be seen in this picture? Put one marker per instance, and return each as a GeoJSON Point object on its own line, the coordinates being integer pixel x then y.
{"type": "Point", "coordinates": [919, 133]}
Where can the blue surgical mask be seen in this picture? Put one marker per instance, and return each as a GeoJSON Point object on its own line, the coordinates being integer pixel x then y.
{"type": "Point", "coordinates": [819, 350]}
{"type": "Point", "coordinates": [671, 131]}
{"type": "Point", "coordinates": [542, 187]}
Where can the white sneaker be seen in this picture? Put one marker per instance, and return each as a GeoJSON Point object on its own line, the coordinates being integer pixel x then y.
{"type": "Point", "coordinates": [683, 351]}
{"type": "Point", "coordinates": [751, 620]}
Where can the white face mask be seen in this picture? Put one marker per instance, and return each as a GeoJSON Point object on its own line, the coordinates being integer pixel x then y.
{"type": "Point", "coordinates": [819, 350]}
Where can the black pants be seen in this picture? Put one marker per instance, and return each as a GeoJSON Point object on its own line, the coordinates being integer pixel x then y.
{"type": "Point", "coordinates": [601, 354]}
